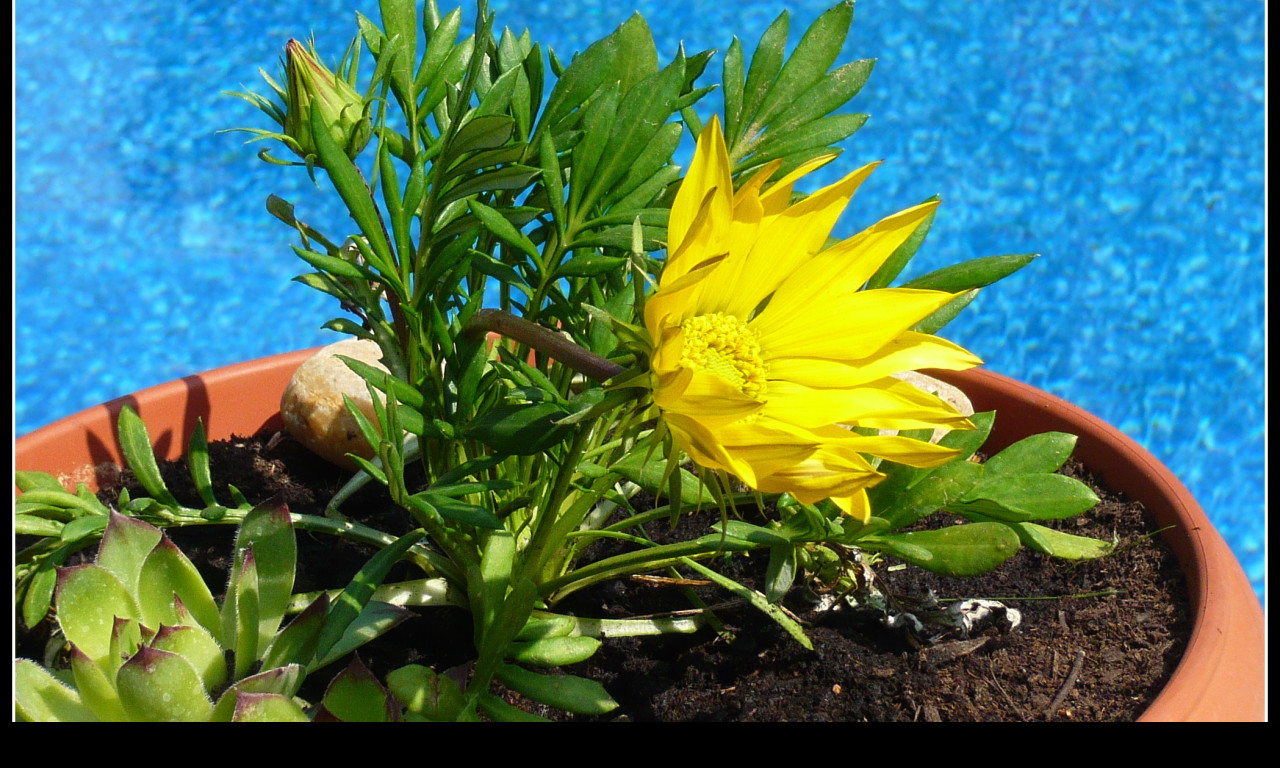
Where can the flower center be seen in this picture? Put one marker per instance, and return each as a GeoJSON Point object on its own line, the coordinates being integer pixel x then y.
{"type": "Point", "coordinates": [724, 345]}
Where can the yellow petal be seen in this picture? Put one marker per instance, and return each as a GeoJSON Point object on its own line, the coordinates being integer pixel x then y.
{"type": "Point", "coordinates": [708, 179]}
{"type": "Point", "coordinates": [856, 506]}
{"type": "Point", "coordinates": [748, 453]}
{"type": "Point", "coordinates": [910, 351]}
{"type": "Point", "coordinates": [850, 326]}
{"type": "Point", "coordinates": [706, 398]}
{"type": "Point", "coordinates": [843, 268]}
{"type": "Point", "coordinates": [782, 245]}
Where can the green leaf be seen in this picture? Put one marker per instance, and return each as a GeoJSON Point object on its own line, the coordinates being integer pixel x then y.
{"type": "Point", "coordinates": [440, 43]}
{"type": "Point", "coordinates": [553, 651]}
{"type": "Point", "coordinates": [651, 472]}
{"type": "Point", "coordinates": [296, 643]}
{"type": "Point", "coordinates": [37, 481]}
{"type": "Point", "coordinates": [521, 429]}
{"type": "Point", "coordinates": [400, 19]}
{"type": "Point", "coordinates": [156, 686]}
{"type": "Point", "coordinates": [625, 56]}
{"type": "Point", "coordinates": [350, 187]}
{"type": "Point", "coordinates": [500, 226]}
{"type": "Point", "coordinates": [590, 265]}
{"type": "Point", "coordinates": [818, 134]}
{"type": "Point", "coordinates": [816, 51]}
{"type": "Point", "coordinates": [167, 572]}
{"type": "Point", "coordinates": [574, 694]}
{"type": "Point", "coordinates": [755, 534]}
{"type": "Point", "coordinates": [126, 542]}
{"type": "Point", "coordinates": [356, 696]}
{"type": "Point", "coordinates": [968, 441]}
{"type": "Point", "coordinates": [41, 698]}
{"type": "Point", "coordinates": [241, 612]}
{"type": "Point", "coordinates": [1058, 544]}
{"type": "Point", "coordinates": [355, 597]}
{"type": "Point", "coordinates": [757, 600]}
{"type": "Point", "coordinates": [958, 550]}
{"type": "Point", "coordinates": [1045, 452]}
{"type": "Point", "coordinates": [1017, 498]}
{"type": "Point", "coordinates": [268, 530]}
{"type": "Point", "coordinates": [766, 61]}
{"type": "Point", "coordinates": [479, 133]}
{"type": "Point", "coordinates": [975, 273]}
{"type": "Point", "coordinates": [945, 314]}
{"type": "Point", "coordinates": [500, 711]}
{"type": "Point", "coordinates": [136, 445]}
{"type": "Point", "coordinates": [88, 599]}
{"type": "Point", "coordinates": [198, 460]}
{"type": "Point", "coordinates": [454, 510]}
{"type": "Point", "coordinates": [781, 572]}
{"type": "Point", "coordinates": [424, 692]}
{"type": "Point", "coordinates": [39, 596]}
{"type": "Point", "coordinates": [942, 486]}
{"type": "Point", "coordinates": [834, 90]}
{"type": "Point", "coordinates": [96, 688]}
{"type": "Point", "coordinates": [903, 254]}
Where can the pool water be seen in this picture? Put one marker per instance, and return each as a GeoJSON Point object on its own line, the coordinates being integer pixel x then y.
{"type": "Point", "coordinates": [1123, 142]}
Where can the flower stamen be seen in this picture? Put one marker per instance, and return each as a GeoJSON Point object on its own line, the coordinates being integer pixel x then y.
{"type": "Point", "coordinates": [725, 346]}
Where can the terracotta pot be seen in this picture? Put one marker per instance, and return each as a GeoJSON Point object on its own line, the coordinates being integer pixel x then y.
{"type": "Point", "coordinates": [1221, 676]}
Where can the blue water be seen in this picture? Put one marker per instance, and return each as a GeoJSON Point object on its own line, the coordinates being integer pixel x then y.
{"type": "Point", "coordinates": [1123, 141]}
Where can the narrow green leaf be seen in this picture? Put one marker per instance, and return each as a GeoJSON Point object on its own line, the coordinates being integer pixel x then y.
{"type": "Point", "coordinates": [356, 596]}
{"type": "Point", "coordinates": [500, 226]}
{"type": "Point", "coordinates": [1059, 544]}
{"type": "Point", "coordinates": [136, 445]}
{"type": "Point", "coordinates": [903, 254]}
{"type": "Point", "coordinates": [813, 55]}
{"type": "Point", "coordinates": [935, 322]}
{"type": "Point", "coordinates": [757, 600]}
{"type": "Point", "coordinates": [351, 188]}
{"type": "Point", "coordinates": [766, 61]}
{"type": "Point", "coordinates": [553, 651]}
{"type": "Point", "coordinates": [198, 460]}
{"type": "Point", "coordinates": [975, 273]}
{"type": "Point", "coordinates": [268, 530]}
{"type": "Point", "coordinates": [934, 491]}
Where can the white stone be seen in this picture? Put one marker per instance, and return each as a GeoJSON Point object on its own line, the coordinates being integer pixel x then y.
{"type": "Point", "coordinates": [313, 408]}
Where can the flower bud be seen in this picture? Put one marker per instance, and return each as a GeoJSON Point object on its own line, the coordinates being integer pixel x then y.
{"type": "Point", "coordinates": [311, 85]}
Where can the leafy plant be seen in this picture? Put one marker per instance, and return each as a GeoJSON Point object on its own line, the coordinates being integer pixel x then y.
{"type": "Point", "coordinates": [147, 641]}
{"type": "Point", "coordinates": [546, 362]}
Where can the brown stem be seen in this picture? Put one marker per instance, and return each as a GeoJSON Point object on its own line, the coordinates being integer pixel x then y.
{"type": "Point", "coordinates": [544, 340]}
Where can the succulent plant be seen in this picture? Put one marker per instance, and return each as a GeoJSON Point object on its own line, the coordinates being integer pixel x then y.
{"type": "Point", "coordinates": [148, 642]}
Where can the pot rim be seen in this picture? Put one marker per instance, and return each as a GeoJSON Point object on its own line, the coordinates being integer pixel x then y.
{"type": "Point", "coordinates": [1224, 662]}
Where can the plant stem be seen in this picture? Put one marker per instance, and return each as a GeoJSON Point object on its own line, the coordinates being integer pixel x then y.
{"type": "Point", "coordinates": [544, 340]}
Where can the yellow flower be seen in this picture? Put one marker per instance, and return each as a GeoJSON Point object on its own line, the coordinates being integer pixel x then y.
{"type": "Point", "coordinates": [765, 348]}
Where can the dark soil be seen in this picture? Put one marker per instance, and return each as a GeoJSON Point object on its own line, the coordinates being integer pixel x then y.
{"type": "Point", "coordinates": [1097, 640]}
